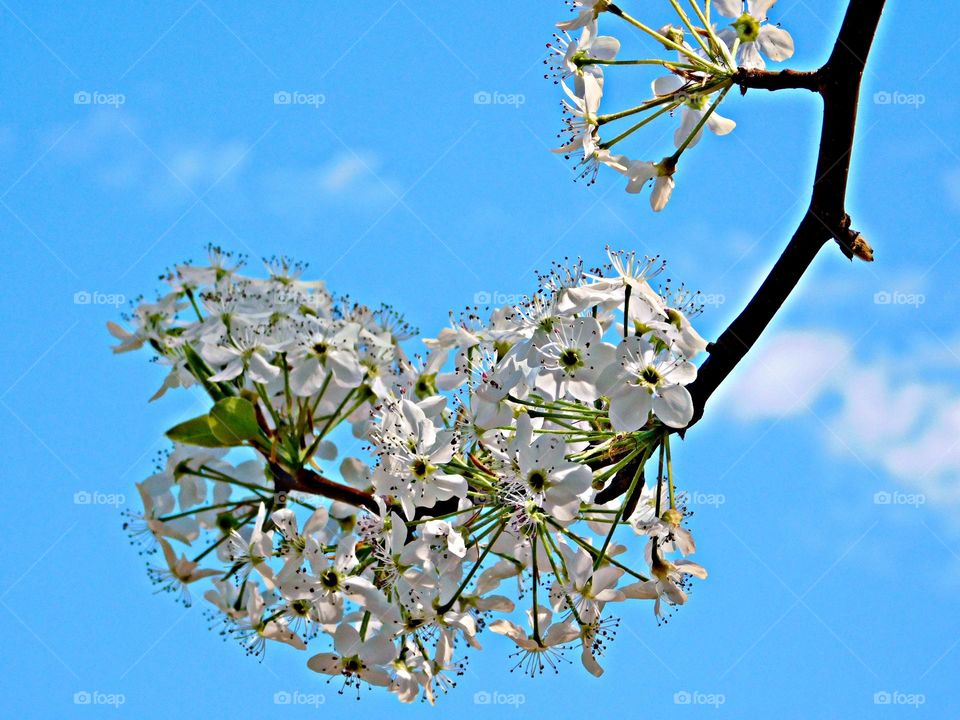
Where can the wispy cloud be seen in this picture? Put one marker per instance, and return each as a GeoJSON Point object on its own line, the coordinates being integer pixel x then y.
{"type": "Point", "coordinates": [951, 186]}
{"type": "Point", "coordinates": [121, 154]}
{"type": "Point", "coordinates": [898, 412]}
{"type": "Point", "coordinates": [344, 179]}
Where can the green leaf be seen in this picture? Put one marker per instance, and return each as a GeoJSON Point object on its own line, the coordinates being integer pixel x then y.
{"type": "Point", "coordinates": [197, 431]}
{"type": "Point", "coordinates": [234, 420]}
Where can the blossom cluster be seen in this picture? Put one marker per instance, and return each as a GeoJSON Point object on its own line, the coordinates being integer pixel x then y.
{"type": "Point", "coordinates": [701, 72]}
{"type": "Point", "coordinates": [504, 487]}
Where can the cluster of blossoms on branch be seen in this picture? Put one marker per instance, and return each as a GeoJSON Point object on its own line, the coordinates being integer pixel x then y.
{"type": "Point", "coordinates": [701, 72]}
{"type": "Point", "coordinates": [504, 484]}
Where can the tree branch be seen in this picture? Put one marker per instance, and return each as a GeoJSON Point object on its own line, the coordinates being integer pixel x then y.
{"type": "Point", "coordinates": [307, 481]}
{"type": "Point", "coordinates": [779, 80]}
{"type": "Point", "coordinates": [838, 83]}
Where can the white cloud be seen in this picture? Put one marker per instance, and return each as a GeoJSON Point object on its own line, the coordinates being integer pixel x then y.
{"type": "Point", "coordinates": [201, 165]}
{"type": "Point", "coordinates": [888, 413]}
{"type": "Point", "coordinates": [339, 174]}
{"type": "Point", "coordinates": [951, 186]}
{"type": "Point", "coordinates": [125, 157]}
{"type": "Point", "coordinates": [346, 178]}
{"type": "Point", "coordinates": [788, 374]}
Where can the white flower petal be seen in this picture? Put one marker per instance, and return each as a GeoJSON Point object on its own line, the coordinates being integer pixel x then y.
{"type": "Point", "coordinates": [674, 406]}
{"type": "Point", "coordinates": [749, 57]}
{"type": "Point", "coordinates": [759, 8]}
{"type": "Point", "coordinates": [605, 48]}
{"type": "Point", "coordinates": [776, 43]}
{"type": "Point", "coordinates": [728, 8]}
{"type": "Point", "coordinates": [630, 409]}
{"type": "Point", "coordinates": [662, 190]}
{"type": "Point", "coordinates": [666, 84]}
{"type": "Point", "coordinates": [720, 125]}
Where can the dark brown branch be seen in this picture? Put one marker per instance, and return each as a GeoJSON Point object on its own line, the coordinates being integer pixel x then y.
{"type": "Point", "coordinates": [838, 82]}
{"type": "Point", "coordinates": [307, 481]}
{"type": "Point", "coordinates": [779, 80]}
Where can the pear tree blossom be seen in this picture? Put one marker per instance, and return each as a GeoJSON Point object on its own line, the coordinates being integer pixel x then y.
{"type": "Point", "coordinates": [391, 507]}
{"type": "Point", "coordinates": [703, 60]}
{"type": "Point", "coordinates": [482, 470]}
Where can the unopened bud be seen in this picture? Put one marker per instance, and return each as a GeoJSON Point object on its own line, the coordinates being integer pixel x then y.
{"type": "Point", "coordinates": [673, 34]}
{"type": "Point", "coordinates": [861, 249]}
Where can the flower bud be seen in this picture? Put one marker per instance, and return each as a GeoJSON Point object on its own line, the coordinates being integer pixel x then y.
{"type": "Point", "coordinates": [673, 33]}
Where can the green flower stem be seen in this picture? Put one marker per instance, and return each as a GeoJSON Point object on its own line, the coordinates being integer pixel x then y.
{"type": "Point", "coordinates": [582, 434]}
{"type": "Point", "coordinates": [286, 384]}
{"type": "Point", "coordinates": [323, 431]}
{"type": "Point", "coordinates": [694, 58]}
{"type": "Point", "coordinates": [194, 511]}
{"type": "Point", "coordinates": [656, 508]}
{"type": "Point", "coordinates": [274, 616]}
{"type": "Point", "coordinates": [558, 419]}
{"type": "Point", "coordinates": [262, 392]}
{"type": "Point", "coordinates": [664, 63]}
{"type": "Point", "coordinates": [545, 536]}
{"type": "Point", "coordinates": [193, 302]}
{"type": "Point", "coordinates": [616, 521]}
{"type": "Point", "coordinates": [593, 551]}
{"type": "Point", "coordinates": [488, 523]}
{"type": "Point", "coordinates": [703, 121]}
{"type": "Point", "coordinates": [221, 477]}
{"type": "Point", "coordinates": [609, 472]}
{"type": "Point", "coordinates": [449, 604]}
{"type": "Point", "coordinates": [666, 444]}
{"type": "Point", "coordinates": [627, 290]}
{"type": "Point", "coordinates": [216, 475]}
{"type": "Point", "coordinates": [459, 467]}
{"type": "Point", "coordinates": [414, 523]}
{"type": "Point", "coordinates": [629, 131]}
{"type": "Point", "coordinates": [693, 31]}
{"type": "Point", "coordinates": [564, 413]}
{"type": "Point", "coordinates": [642, 107]}
{"type": "Point", "coordinates": [536, 582]}
{"type": "Point", "coordinates": [568, 403]}
{"type": "Point", "coordinates": [705, 19]}
{"type": "Point", "coordinates": [243, 521]}
{"type": "Point", "coordinates": [333, 416]}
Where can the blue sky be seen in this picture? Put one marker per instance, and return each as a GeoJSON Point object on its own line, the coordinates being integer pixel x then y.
{"type": "Point", "coordinates": [825, 476]}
